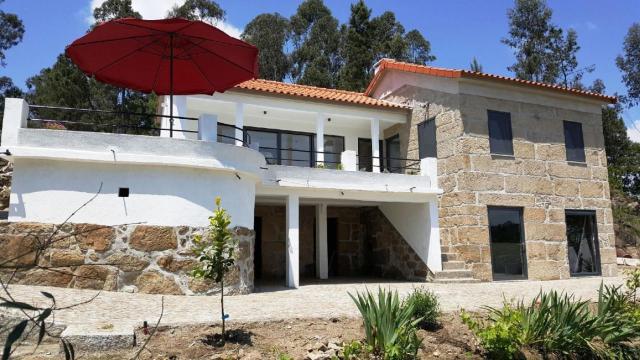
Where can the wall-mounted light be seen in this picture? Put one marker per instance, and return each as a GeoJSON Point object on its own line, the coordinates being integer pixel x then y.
{"type": "Point", "coordinates": [264, 112]}
{"type": "Point", "coordinates": [123, 192]}
{"type": "Point", "coordinates": [329, 119]}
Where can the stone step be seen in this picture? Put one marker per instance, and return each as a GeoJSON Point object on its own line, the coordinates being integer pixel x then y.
{"type": "Point", "coordinates": [100, 336]}
{"type": "Point", "coordinates": [453, 274]}
{"type": "Point", "coordinates": [456, 281]}
{"type": "Point", "coordinates": [449, 256]}
{"type": "Point", "coordinates": [453, 265]}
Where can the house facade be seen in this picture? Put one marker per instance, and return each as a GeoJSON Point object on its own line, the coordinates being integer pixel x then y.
{"type": "Point", "coordinates": [431, 174]}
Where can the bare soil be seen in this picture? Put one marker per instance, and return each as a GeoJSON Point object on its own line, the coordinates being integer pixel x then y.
{"type": "Point", "coordinates": [270, 340]}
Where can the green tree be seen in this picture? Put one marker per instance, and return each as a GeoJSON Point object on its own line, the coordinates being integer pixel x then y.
{"type": "Point", "coordinates": [11, 32]}
{"type": "Point", "coordinates": [386, 37]}
{"type": "Point", "coordinates": [357, 49]}
{"type": "Point", "coordinates": [205, 10]}
{"type": "Point", "coordinates": [7, 89]}
{"type": "Point", "coordinates": [316, 41]}
{"type": "Point", "coordinates": [564, 50]}
{"type": "Point", "coordinates": [530, 33]}
{"type": "Point", "coordinates": [629, 64]}
{"type": "Point", "coordinates": [215, 252]}
{"type": "Point", "coordinates": [418, 48]}
{"type": "Point", "coordinates": [269, 33]}
{"type": "Point", "coordinates": [115, 9]}
{"type": "Point", "coordinates": [475, 65]}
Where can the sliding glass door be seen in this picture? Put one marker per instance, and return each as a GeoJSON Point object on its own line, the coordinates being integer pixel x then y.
{"type": "Point", "coordinates": [508, 259]}
{"type": "Point", "coordinates": [582, 241]}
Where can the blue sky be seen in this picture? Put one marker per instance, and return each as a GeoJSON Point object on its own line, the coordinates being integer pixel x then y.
{"type": "Point", "coordinates": [457, 29]}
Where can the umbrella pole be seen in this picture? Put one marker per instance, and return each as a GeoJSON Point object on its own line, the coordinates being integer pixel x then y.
{"type": "Point", "coordinates": [171, 85]}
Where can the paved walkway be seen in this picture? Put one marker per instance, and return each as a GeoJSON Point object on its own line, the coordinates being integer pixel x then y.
{"type": "Point", "coordinates": [310, 301]}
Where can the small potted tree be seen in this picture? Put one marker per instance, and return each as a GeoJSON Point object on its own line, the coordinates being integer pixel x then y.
{"type": "Point", "coordinates": [215, 251]}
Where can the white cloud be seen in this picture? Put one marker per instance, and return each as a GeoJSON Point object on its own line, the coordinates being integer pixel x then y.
{"type": "Point", "coordinates": [633, 131]}
{"type": "Point", "coordinates": [591, 26]}
{"type": "Point", "coordinates": [158, 9]}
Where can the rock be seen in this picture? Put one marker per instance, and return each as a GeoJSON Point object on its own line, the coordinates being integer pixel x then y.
{"type": "Point", "coordinates": [174, 265]}
{"type": "Point", "coordinates": [66, 258]}
{"type": "Point", "coordinates": [96, 237]}
{"type": "Point", "coordinates": [200, 286]}
{"type": "Point", "coordinates": [316, 355]}
{"type": "Point", "coordinates": [97, 277]}
{"type": "Point", "coordinates": [19, 249]}
{"type": "Point", "coordinates": [61, 277]}
{"type": "Point", "coordinates": [334, 346]}
{"type": "Point", "coordinates": [153, 282]}
{"type": "Point", "coordinates": [127, 262]}
{"type": "Point", "coordinates": [153, 238]}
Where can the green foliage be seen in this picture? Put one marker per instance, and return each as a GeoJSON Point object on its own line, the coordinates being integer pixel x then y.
{"type": "Point", "coordinates": [269, 33]}
{"type": "Point", "coordinates": [426, 307]}
{"type": "Point", "coordinates": [629, 64]}
{"type": "Point", "coordinates": [389, 327]}
{"type": "Point", "coordinates": [355, 350]}
{"type": "Point", "coordinates": [115, 9]}
{"type": "Point", "coordinates": [205, 10]}
{"type": "Point", "coordinates": [475, 65]}
{"type": "Point", "coordinates": [11, 32]}
{"type": "Point", "coordinates": [559, 325]}
{"type": "Point", "coordinates": [284, 356]}
{"type": "Point", "coordinates": [7, 89]}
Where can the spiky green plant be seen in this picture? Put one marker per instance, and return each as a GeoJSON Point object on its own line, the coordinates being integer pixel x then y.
{"type": "Point", "coordinates": [389, 327]}
{"type": "Point", "coordinates": [216, 253]}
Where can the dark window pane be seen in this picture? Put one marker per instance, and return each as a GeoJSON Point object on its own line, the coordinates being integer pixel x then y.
{"type": "Point", "coordinates": [507, 248]}
{"type": "Point", "coordinates": [295, 149]}
{"type": "Point", "coordinates": [365, 160]}
{"type": "Point", "coordinates": [333, 148]}
{"type": "Point", "coordinates": [226, 134]}
{"type": "Point", "coordinates": [394, 162]}
{"type": "Point", "coordinates": [266, 143]}
{"type": "Point", "coordinates": [582, 243]}
{"type": "Point", "coordinates": [574, 141]}
{"type": "Point", "coordinates": [500, 136]}
{"type": "Point", "coordinates": [427, 138]}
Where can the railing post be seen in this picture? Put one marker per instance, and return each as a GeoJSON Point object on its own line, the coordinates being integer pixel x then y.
{"type": "Point", "coordinates": [429, 168]}
{"type": "Point", "coordinates": [239, 123]}
{"type": "Point", "coordinates": [375, 145]}
{"type": "Point", "coordinates": [16, 113]}
{"type": "Point", "coordinates": [208, 127]}
{"type": "Point", "coordinates": [319, 138]}
{"type": "Point", "coordinates": [349, 160]}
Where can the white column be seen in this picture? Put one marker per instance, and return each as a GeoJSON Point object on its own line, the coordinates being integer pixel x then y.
{"type": "Point", "coordinates": [293, 241]}
{"type": "Point", "coordinates": [434, 258]}
{"type": "Point", "coordinates": [322, 258]}
{"type": "Point", "coordinates": [208, 128]}
{"type": "Point", "coordinates": [16, 112]}
{"type": "Point", "coordinates": [179, 109]}
{"type": "Point", "coordinates": [429, 168]}
{"type": "Point", "coordinates": [239, 123]}
{"type": "Point", "coordinates": [349, 160]}
{"type": "Point", "coordinates": [320, 138]}
{"type": "Point", "coordinates": [375, 144]}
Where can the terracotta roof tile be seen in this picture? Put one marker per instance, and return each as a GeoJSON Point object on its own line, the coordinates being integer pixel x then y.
{"type": "Point", "coordinates": [453, 73]}
{"type": "Point", "coordinates": [318, 93]}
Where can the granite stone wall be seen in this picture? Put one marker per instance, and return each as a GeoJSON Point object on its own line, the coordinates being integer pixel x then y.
{"type": "Point", "coordinates": [537, 178]}
{"type": "Point", "coordinates": [130, 258]}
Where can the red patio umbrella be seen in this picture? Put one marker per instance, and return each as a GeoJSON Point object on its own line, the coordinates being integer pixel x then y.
{"type": "Point", "coordinates": [167, 57]}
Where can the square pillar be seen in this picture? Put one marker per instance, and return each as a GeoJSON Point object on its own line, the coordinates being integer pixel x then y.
{"type": "Point", "coordinates": [208, 128]}
{"type": "Point", "coordinates": [239, 123]}
{"type": "Point", "coordinates": [322, 256]}
{"type": "Point", "coordinates": [375, 145]}
{"type": "Point", "coordinates": [320, 138]}
{"type": "Point", "coordinates": [293, 241]}
{"type": "Point", "coordinates": [179, 109]}
{"type": "Point", "coordinates": [16, 112]}
{"type": "Point", "coordinates": [434, 257]}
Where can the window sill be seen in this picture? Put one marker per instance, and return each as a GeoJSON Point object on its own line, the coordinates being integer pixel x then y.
{"type": "Point", "coordinates": [577, 163]}
{"type": "Point", "coordinates": [502, 157]}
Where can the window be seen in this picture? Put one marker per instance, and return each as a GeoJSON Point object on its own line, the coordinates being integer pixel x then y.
{"type": "Point", "coordinates": [333, 148]}
{"type": "Point", "coordinates": [507, 243]}
{"type": "Point", "coordinates": [394, 161]}
{"type": "Point", "coordinates": [427, 138]}
{"type": "Point", "coordinates": [283, 147]}
{"type": "Point", "coordinates": [226, 134]}
{"type": "Point", "coordinates": [365, 159]}
{"type": "Point", "coordinates": [295, 149]}
{"type": "Point", "coordinates": [574, 141]}
{"type": "Point", "coordinates": [500, 136]}
{"type": "Point", "coordinates": [582, 242]}
{"type": "Point", "coordinates": [267, 143]}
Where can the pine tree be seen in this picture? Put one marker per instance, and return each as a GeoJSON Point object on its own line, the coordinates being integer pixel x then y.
{"type": "Point", "coordinates": [475, 65]}
{"type": "Point", "coordinates": [11, 32]}
{"type": "Point", "coordinates": [269, 33]}
{"type": "Point", "coordinates": [418, 48]}
{"type": "Point", "coordinates": [357, 49]}
{"type": "Point", "coordinates": [629, 64]}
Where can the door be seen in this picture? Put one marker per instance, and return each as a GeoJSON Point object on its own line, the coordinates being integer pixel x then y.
{"type": "Point", "coordinates": [365, 159]}
{"type": "Point", "coordinates": [394, 161]}
{"type": "Point", "coordinates": [257, 256]}
{"type": "Point", "coordinates": [582, 242]}
{"type": "Point", "coordinates": [508, 257]}
{"type": "Point", "coordinates": [332, 245]}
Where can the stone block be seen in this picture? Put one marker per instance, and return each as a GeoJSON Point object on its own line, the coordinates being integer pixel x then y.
{"type": "Point", "coordinates": [506, 199]}
{"type": "Point", "coordinates": [153, 282]}
{"type": "Point", "coordinates": [456, 163]}
{"type": "Point", "coordinates": [469, 253]}
{"type": "Point", "coordinates": [528, 185]}
{"type": "Point", "coordinates": [176, 265]}
{"type": "Point", "coordinates": [66, 258]}
{"type": "Point", "coordinates": [556, 215]}
{"type": "Point", "coordinates": [61, 277]}
{"type": "Point", "coordinates": [474, 235]}
{"type": "Point", "coordinates": [477, 181]}
{"type": "Point", "coordinates": [533, 167]}
{"type": "Point", "coordinates": [545, 232]}
{"type": "Point", "coordinates": [489, 164]}
{"type": "Point", "coordinates": [95, 237]}
{"type": "Point", "coordinates": [567, 187]}
{"type": "Point", "coordinates": [458, 198]}
{"type": "Point", "coordinates": [550, 152]}
{"type": "Point", "coordinates": [534, 215]}
{"type": "Point", "coordinates": [472, 145]}
{"type": "Point", "coordinates": [599, 173]}
{"type": "Point", "coordinates": [595, 203]}
{"type": "Point", "coordinates": [591, 189]}
{"type": "Point", "coordinates": [565, 170]}
{"type": "Point", "coordinates": [536, 250]}
{"type": "Point", "coordinates": [18, 250]}
{"type": "Point", "coordinates": [523, 149]}
{"type": "Point", "coordinates": [544, 270]}
{"type": "Point", "coordinates": [153, 238]}
{"type": "Point", "coordinates": [127, 262]}
{"type": "Point", "coordinates": [97, 277]}
{"type": "Point", "coordinates": [92, 336]}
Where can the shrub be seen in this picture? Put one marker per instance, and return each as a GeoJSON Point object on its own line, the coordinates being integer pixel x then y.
{"type": "Point", "coordinates": [389, 327]}
{"type": "Point", "coordinates": [354, 350]}
{"type": "Point", "coordinates": [425, 306]}
{"type": "Point", "coordinates": [500, 334]}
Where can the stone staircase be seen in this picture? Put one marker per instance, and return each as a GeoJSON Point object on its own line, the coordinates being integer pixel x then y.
{"type": "Point", "coordinates": [453, 269]}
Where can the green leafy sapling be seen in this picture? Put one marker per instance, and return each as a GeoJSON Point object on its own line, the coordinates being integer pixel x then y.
{"type": "Point", "coordinates": [215, 251]}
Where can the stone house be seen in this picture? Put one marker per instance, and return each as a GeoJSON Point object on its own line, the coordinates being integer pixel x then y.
{"type": "Point", "coordinates": [431, 174]}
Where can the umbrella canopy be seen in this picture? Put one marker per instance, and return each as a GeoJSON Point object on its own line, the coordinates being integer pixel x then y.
{"type": "Point", "coordinates": [171, 56]}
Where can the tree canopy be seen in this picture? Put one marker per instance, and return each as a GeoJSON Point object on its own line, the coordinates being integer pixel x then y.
{"type": "Point", "coordinates": [629, 64]}
{"type": "Point", "coordinates": [269, 33]}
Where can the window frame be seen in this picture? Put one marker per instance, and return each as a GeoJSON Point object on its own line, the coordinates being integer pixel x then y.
{"type": "Point", "coordinates": [387, 143]}
{"type": "Point", "coordinates": [523, 241]}
{"type": "Point", "coordinates": [596, 241]}
{"type": "Point", "coordinates": [583, 156]}
{"type": "Point", "coordinates": [492, 142]}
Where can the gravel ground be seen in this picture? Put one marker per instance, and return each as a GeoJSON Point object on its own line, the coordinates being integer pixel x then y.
{"type": "Point", "coordinates": [324, 300]}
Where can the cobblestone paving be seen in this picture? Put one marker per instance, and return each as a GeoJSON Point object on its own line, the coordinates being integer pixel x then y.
{"type": "Point", "coordinates": [275, 303]}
